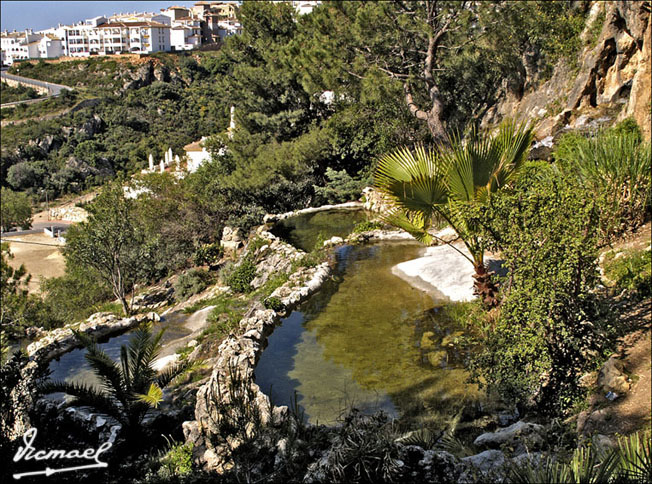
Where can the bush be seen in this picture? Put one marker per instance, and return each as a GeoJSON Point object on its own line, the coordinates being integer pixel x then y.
{"type": "Point", "coordinates": [631, 271]}
{"type": "Point", "coordinates": [545, 334]}
{"type": "Point", "coordinates": [240, 278]}
{"type": "Point", "coordinates": [614, 167]}
{"type": "Point", "coordinates": [190, 283]}
{"type": "Point", "coordinates": [366, 226]}
{"type": "Point", "coordinates": [274, 304]}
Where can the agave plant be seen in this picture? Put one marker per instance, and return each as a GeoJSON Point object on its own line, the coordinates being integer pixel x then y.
{"type": "Point", "coordinates": [129, 388]}
{"type": "Point", "coordinates": [425, 185]}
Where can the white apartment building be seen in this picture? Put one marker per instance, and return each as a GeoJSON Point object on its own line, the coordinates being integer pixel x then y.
{"type": "Point", "coordinates": [115, 37]}
{"type": "Point", "coordinates": [28, 45]}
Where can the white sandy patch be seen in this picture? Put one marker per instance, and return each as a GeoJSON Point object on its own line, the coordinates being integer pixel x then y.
{"type": "Point", "coordinates": [441, 270]}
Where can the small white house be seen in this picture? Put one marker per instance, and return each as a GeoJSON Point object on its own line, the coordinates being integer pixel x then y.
{"type": "Point", "coordinates": [196, 154]}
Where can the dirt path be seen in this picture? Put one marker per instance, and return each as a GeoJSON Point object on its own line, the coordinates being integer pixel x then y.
{"type": "Point", "coordinates": [633, 410]}
{"type": "Point", "coordinates": [41, 261]}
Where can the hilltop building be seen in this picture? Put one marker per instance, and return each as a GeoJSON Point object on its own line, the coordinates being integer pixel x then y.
{"type": "Point", "coordinates": [29, 45]}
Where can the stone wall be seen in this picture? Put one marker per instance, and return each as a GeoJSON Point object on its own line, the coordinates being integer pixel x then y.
{"type": "Point", "coordinates": [239, 353]}
{"type": "Point", "coordinates": [69, 213]}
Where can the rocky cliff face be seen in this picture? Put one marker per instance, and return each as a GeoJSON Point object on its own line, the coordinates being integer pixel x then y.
{"type": "Point", "coordinates": [611, 82]}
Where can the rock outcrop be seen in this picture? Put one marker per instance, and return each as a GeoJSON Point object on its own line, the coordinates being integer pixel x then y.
{"type": "Point", "coordinates": [612, 83]}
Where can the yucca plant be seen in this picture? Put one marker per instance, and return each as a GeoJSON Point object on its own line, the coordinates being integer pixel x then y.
{"type": "Point", "coordinates": [426, 185]}
{"type": "Point", "coordinates": [128, 388]}
{"type": "Point", "coordinates": [635, 457]}
{"type": "Point", "coordinates": [615, 166]}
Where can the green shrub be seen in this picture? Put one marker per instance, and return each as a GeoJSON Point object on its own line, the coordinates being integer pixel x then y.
{"type": "Point", "coordinates": [631, 271]}
{"type": "Point", "coordinates": [366, 226]}
{"type": "Point", "coordinates": [190, 283]}
{"type": "Point", "coordinates": [177, 461]}
{"type": "Point", "coordinates": [239, 279]}
{"type": "Point", "coordinates": [545, 334]}
{"type": "Point", "coordinates": [614, 167]}
{"type": "Point", "coordinates": [208, 254]}
{"type": "Point", "coordinates": [274, 303]}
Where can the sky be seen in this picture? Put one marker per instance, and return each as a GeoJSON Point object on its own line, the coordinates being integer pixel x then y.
{"type": "Point", "coordinates": [21, 15]}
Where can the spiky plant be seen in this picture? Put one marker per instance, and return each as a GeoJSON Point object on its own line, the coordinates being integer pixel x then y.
{"type": "Point", "coordinates": [128, 388]}
{"type": "Point", "coordinates": [614, 166]}
{"type": "Point", "coordinates": [425, 185]}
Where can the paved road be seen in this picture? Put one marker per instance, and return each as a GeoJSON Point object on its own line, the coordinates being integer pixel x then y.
{"type": "Point", "coordinates": [53, 89]}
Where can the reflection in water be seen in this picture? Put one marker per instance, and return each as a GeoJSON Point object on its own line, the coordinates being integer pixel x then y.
{"type": "Point", "coordinates": [303, 231]}
{"type": "Point", "coordinates": [369, 340]}
{"type": "Point", "coordinates": [73, 365]}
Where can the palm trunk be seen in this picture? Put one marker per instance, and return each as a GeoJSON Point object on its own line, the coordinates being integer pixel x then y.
{"type": "Point", "coordinates": [483, 286]}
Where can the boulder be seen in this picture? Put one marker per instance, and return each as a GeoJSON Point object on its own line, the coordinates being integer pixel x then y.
{"type": "Point", "coordinates": [486, 463]}
{"type": "Point", "coordinates": [521, 437]}
{"type": "Point", "coordinates": [612, 377]}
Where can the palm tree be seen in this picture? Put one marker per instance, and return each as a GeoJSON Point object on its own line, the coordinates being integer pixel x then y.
{"type": "Point", "coordinates": [425, 185]}
{"type": "Point", "coordinates": [130, 388]}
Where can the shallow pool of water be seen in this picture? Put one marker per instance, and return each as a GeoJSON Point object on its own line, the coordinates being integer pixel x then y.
{"type": "Point", "coordinates": [367, 340]}
{"type": "Point", "coordinates": [73, 366]}
{"type": "Point", "coordinates": [303, 231]}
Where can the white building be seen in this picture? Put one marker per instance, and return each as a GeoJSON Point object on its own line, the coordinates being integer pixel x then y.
{"type": "Point", "coordinates": [28, 45]}
{"type": "Point", "coordinates": [196, 154]}
{"type": "Point", "coordinates": [141, 37]}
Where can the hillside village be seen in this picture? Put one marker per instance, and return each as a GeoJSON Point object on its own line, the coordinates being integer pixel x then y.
{"type": "Point", "coordinates": [172, 29]}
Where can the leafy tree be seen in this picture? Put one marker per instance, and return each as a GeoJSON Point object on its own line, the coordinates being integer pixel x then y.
{"type": "Point", "coordinates": [112, 244]}
{"type": "Point", "coordinates": [16, 210]}
{"type": "Point", "coordinates": [341, 187]}
{"type": "Point", "coordinates": [129, 389]}
{"type": "Point", "coordinates": [75, 295]}
{"type": "Point", "coordinates": [426, 184]}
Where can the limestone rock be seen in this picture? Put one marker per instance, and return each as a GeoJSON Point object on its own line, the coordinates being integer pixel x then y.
{"type": "Point", "coordinates": [486, 462]}
{"type": "Point", "coordinates": [612, 377]}
{"type": "Point", "coordinates": [520, 437]}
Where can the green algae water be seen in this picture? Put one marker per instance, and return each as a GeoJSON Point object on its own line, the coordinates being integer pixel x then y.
{"type": "Point", "coordinates": [367, 340]}
{"type": "Point", "coordinates": [303, 231]}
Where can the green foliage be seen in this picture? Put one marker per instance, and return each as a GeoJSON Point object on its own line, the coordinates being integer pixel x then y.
{"type": "Point", "coordinates": [112, 245]}
{"type": "Point", "coordinates": [364, 451]}
{"type": "Point", "coordinates": [208, 254]}
{"type": "Point", "coordinates": [341, 187]}
{"type": "Point", "coordinates": [190, 283]}
{"type": "Point", "coordinates": [274, 303]}
{"type": "Point", "coordinates": [177, 461]}
{"type": "Point", "coordinates": [130, 388]}
{"type": "Point", "coordinates": [614, 166]}
{"type": "Point", "coordinates": [546, 332]}
{"type": "Point", "coordinates": [366, 226]}
{"type": "Point", "coordinates": [10, 94]}
{"type": "Point", "coordinates": [239, 279]}
{"type": "Point", "coordinates": [630, 463]}
{"type": "Point", "coordinates": [225, 316]}
{"type": "Point", "coordinates": [75, 295]}
{"type": "Point", "coordinates": [630, 270]}
{"type": "Point", "coordinates": [15, 210]}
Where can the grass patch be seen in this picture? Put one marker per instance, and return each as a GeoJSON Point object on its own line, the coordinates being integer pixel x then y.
{"type": "Point", "coordinates": [630, 270]}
